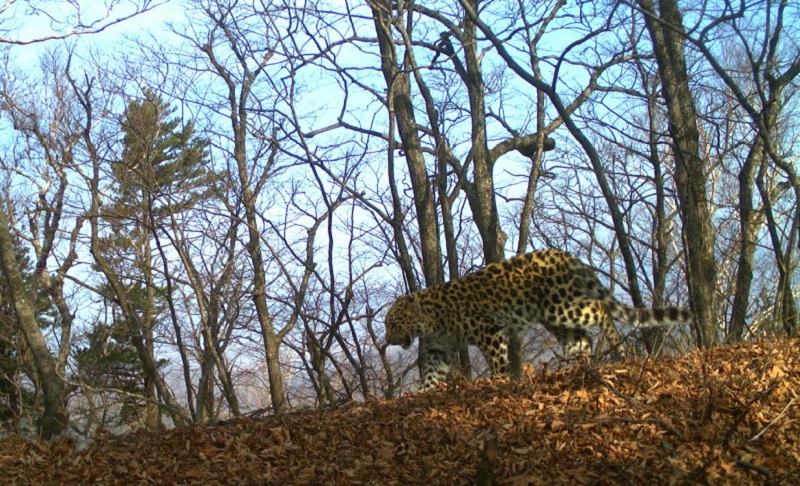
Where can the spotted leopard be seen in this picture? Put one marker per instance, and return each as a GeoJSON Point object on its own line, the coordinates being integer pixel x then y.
{"type": "Point", "coordinates": [548, 287]}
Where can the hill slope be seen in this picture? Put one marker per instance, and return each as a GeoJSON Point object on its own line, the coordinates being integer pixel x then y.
{"type": "Point", "coordinates": [726, 416]}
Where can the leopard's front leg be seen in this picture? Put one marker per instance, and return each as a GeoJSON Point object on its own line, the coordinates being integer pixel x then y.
{"type": "Point", "coordinates": [494, 346]}
{"type": "Point", "coordinates": [436, 366]}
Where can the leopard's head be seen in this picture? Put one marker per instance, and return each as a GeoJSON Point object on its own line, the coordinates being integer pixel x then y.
{"type": "Point", "coordinates": [405, 321]}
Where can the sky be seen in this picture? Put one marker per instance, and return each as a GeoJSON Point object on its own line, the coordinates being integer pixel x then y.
{"type": "Point", "coordinates": [18, 22]}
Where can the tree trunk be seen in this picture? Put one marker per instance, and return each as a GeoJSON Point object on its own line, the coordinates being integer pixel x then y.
{"type": "Point", "coordinates": [152, 410]}
{"type": "Point", "coordinates": [325, 392]}
{"type": "Point", "coordinates": [533, 178]}
{"type": "Point", "coordinates": [402, 109]}
{"type": "Point", "coordinates": [55, 417]}
{"type": "Point", "coordinates": [482, 200]}
{"type": "Point", "coordinates": [271, 340]}
{"type": "Point", "coordinates": [464, 362]}
{"type": "Point", "coordinates": [785, 306]}
{"type": "Point", "coordinates": [654, 337]}
{"type": "Point", "coordinates": [204, 401]}
{"type": "Point", "coordinates": [480, 192]}
{"type": "Point", "coordinates": [238, 96]}
{"type": "Point", "coordinates": [667, 35]}
{"type": "Point", "coordinates": [748, 226]}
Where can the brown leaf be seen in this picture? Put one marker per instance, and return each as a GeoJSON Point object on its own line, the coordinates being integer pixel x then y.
{"type": "Point", "coordinates": [654, 422]}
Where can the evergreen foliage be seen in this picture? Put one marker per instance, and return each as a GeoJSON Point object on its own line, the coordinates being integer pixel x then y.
{"type": "Point", "coordinates": [161, 173]}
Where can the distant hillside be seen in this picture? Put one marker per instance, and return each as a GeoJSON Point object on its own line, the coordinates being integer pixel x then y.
{"type": "Point", "coordinates": [726, 416]}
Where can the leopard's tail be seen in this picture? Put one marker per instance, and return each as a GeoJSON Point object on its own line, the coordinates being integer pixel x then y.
{"type": "Point", "coordinates": [649, 317]}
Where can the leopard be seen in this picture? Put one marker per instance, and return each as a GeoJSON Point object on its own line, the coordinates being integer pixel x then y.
{"type": "Point", "coordinates": [549, 287]}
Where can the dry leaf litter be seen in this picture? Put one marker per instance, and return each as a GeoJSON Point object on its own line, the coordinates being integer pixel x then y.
{"type": "Point", "coordinates": [730, 415]}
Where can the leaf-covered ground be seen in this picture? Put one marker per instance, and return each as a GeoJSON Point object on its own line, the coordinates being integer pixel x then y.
{"type": "Point", "coordinates": [726, 416]}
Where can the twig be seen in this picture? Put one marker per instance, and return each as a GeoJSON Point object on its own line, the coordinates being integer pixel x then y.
{"type": "Point", "coordinates": [485, 474]}
{"type": "Point", "coordinates": [629, 420]}
{"type": "Point", "coordinates": [701, 471]}
{"type": "Point", "coordinates": [748, 465]}
{"type": "Point", "coordinates": [633, 403]}
{"type": "Point", "coordinates": [783, 412]}
{"type": "Point", "coordinates": [746, 410]}
{"type": "Point", "coordinates": [629, 400]}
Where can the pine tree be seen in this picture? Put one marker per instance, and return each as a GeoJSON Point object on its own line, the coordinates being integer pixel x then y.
{"type": "Point", "coordinates": [108, 361]}
{"type": "Point", "coordinates": [162, 169]}
{"type": "Point", "coordinates": [161, 174]}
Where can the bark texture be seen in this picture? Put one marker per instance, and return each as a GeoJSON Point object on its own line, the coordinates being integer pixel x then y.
{"type": "Point", "coordinates": [55, 417]}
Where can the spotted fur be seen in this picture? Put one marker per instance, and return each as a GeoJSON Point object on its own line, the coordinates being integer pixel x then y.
{"type": "Point", "coordinates": [548, 287]}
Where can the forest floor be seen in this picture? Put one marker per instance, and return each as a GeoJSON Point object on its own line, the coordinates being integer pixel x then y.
{"type": "Point", "coordinates": [730, 415]}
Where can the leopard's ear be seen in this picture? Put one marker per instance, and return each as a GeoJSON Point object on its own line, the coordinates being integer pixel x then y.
{"type": "Point", "coordinates": [411, 301]}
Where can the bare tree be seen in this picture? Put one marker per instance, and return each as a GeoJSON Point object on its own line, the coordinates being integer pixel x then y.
{"type": "Point", "coordinates": [55, 416]}
{"type": "Point", "coordinates": [42, 110]}
{"type": "Point", "coordinates": [216, 287]}
{"type": "Point", "coordinates": [665, 26]}
{"type": "Point", "coordinates": [761, 92]}
{"type": "Point", "coordinates": [238, 60]}
{"type": "Point", "coordinates": [401, 111]}
{"type": "Point", "coordinates": [64, 19]}
{"type": "Point", "coordinates": [52, 136]}
{"type": "Point", "coordinates": [589, 30]}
